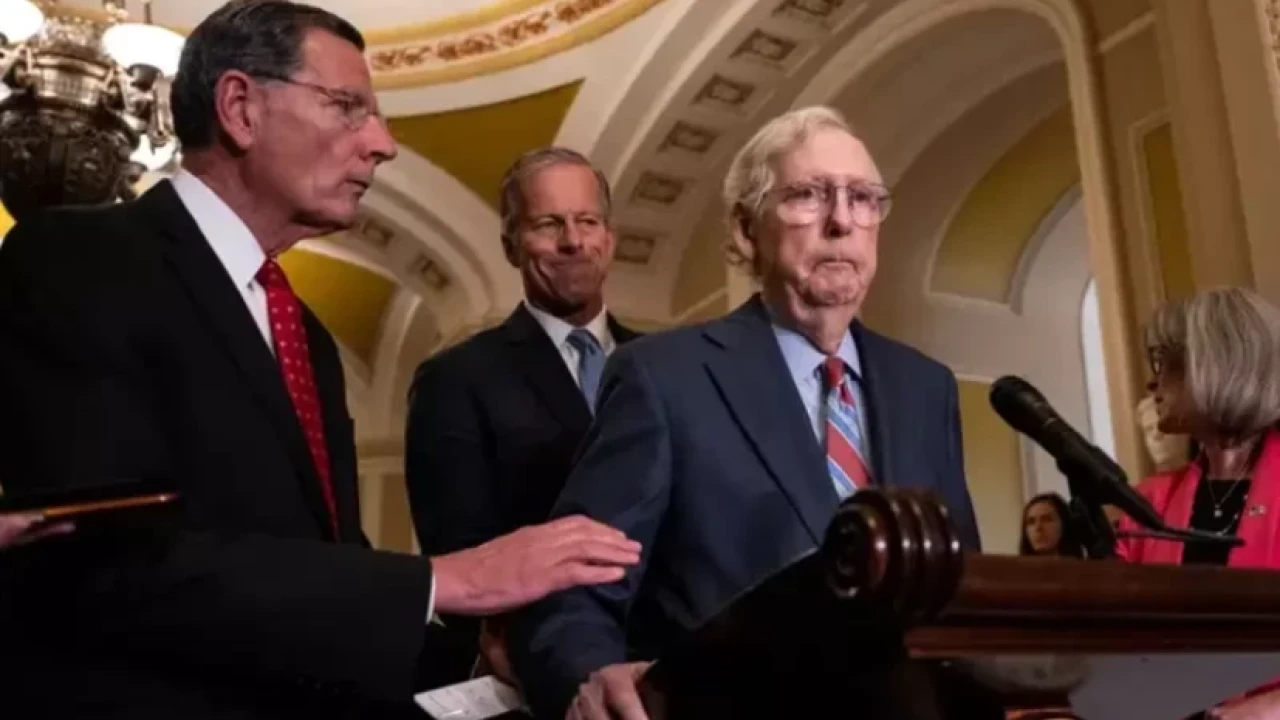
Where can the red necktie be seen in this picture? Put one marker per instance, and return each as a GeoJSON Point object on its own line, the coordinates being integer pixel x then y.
{"type": "Point", "coordinates": [848, 471]}
{"type": "Point", "coordinates": [289, 338]}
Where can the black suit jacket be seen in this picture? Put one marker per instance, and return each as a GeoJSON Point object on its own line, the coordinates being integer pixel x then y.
{"type": "Point", "coordinates": [493, 426]}
{"type": "Point", "coordinates": [127, 352]}
{"type": "Point", "coordinates": [703, 452]}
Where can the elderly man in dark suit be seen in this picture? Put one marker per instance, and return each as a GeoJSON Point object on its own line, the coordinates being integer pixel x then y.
{"type": "Point", "coordinates": [159, 339]}
{"type": "Point", "coordinates": [725, 448]}
{"type": "Point", "coordinates": [494, 422]}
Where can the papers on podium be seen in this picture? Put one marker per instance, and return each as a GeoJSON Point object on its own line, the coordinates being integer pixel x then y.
{"type": "Point", "coordinates": [477, 699]}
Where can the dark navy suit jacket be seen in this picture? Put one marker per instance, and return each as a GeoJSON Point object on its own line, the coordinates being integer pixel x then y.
{"type": "Point", "coordinates": [702, 451]}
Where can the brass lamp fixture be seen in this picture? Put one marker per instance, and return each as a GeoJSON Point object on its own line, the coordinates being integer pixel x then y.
{"type": "Point", "coordinates": [84, 103]}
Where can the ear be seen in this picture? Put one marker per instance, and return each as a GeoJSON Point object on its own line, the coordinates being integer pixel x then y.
{"type": "Point", "coordinates": [744, 233]}
{"type": "Point", "coordinates": [238, 103]}
{"type": "Point", "coordinates": [509, 250]}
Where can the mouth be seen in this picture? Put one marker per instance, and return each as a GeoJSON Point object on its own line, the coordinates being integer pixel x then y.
{"type": "Point", "coordinates": [828, 262]}
{"type": "Point", "coordinates": [361, 185]}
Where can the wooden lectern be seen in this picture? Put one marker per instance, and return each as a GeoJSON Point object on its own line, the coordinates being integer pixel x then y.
{"type": "Point", "coordinates": [889, 618]}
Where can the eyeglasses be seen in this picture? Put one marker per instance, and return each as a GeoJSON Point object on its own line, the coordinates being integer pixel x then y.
{"type": "Point", "coordinates": [805, 203]}
{"type": "Point", "coordinates": [1163, 360]}
{"type": "Point", "coordinates": [354, 109]}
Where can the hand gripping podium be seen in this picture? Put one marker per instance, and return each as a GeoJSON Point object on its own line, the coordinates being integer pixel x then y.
{"type": "Point", "coordinates": [889, 618]}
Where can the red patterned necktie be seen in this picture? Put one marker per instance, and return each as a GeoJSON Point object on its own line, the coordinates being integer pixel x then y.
{"type": "Point", "coordinates": [844, 461]}
{"type": "Point", "coordinates": [289, 338]}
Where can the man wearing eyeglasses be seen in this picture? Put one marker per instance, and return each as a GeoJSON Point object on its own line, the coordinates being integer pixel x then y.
{"type": "Point", "coordinates": [160, 340]}
{"type": "Point", "coordinates": [725, 448]}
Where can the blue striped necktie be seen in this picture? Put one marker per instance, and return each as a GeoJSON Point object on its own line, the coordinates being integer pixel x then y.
{"type": "Point", "coordinates": [590, 363]}
{"type": "Point", "coordinates": [844, 436]}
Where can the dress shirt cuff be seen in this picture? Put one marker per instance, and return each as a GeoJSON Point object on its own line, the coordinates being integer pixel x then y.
{"type": "Point", "coordinates": [432, 618]}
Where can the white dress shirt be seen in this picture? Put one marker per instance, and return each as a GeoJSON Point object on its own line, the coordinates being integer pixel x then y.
{"type": "Point", "coordinates": [242, 257]}
{"type": "Point", "coordinates": [232, 241]}
{"type": "Point", "coordinates": [558, 330]}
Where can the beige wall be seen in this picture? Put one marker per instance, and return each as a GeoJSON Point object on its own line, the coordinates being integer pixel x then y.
{"type": "Point", "coordinates": [993, 466]}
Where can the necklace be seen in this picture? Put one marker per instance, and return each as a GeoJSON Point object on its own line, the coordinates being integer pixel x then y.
{"type": "Point", "coordinates": [1242, 475]}
{"type": "Point", "coordinates": [1217, 504]}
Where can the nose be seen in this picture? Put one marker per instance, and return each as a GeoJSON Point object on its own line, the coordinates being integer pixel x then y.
{"type": "Point", "coordinates": [570, 237]}
{"type": "Point", "coordinates": [840, 219]}
{"type": "Point", "coordinates": [379, 143]}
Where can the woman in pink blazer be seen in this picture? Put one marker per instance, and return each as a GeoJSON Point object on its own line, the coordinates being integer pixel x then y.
{"type": "Point", "coordinates": [1216, 364]}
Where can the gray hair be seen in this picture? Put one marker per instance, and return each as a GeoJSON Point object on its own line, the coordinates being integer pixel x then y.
{"type": "Point", "coordinates": [1227, 341]}
{"type": "Point", "coordinates": [511, 200]}
{"type": "Point", "coordinates": [751, 174]}
{"type": "Point", "coordinates": [260, 38]}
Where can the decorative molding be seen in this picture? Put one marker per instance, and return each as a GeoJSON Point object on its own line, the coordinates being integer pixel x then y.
{"type": "Point", "coordinates": [659, 189]}
{"type": "Point", "coordinates": [635, 247]}
{"type": "Point", "coordinates": [372, 232]}
{"type": "Point", "coordinates": [690, 138]}
{"type": "Point", "coordinates": [817, 12]}
{"type": "Point", "coordinates": [724, 93]}
{"type": "Point", "coordinates": [505, 41]}
{"type": "Point", "coordinates": [1273, 17]}
{"type": "Point", "coordinates": [765, 47]}
{"type": "Point", "coordinates": [430, 272]}
{"type": "Point", "coordinates": [1273, 21]}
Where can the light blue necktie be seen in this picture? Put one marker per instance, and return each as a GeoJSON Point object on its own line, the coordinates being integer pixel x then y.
{"type": "Point", "coordinates": [590, 363]}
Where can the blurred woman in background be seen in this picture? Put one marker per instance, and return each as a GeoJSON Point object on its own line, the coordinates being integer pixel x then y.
{"type": "Point", "coordinates": [1046, 529]}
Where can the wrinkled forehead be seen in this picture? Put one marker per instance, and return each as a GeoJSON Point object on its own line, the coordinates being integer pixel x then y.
{"type": "Point", "coordinates": [827, 153]}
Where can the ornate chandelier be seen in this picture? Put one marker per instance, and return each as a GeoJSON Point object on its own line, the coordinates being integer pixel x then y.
{"type": "Point", "coordinates": [84, 103]}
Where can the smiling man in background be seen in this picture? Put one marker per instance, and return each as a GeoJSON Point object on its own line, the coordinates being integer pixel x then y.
{"type": "Point", "coordinates": [494, 421]}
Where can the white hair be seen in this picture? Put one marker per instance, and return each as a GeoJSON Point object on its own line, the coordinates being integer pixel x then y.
{"type": "Point", "coordinates": [751, 175]}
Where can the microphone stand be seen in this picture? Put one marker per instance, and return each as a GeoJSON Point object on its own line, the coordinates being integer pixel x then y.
{"type": "Point", "coordinates": [1087, 518]}
{"type": "Point", "coordinates": [1095, 531]}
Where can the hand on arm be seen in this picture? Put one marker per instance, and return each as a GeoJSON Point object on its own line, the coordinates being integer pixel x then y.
{"type": "Point", "coordinates": [529, 564]}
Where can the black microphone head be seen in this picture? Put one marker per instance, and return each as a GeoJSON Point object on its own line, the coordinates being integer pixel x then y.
{"type": "Point", "coordinates": [1020, 404]}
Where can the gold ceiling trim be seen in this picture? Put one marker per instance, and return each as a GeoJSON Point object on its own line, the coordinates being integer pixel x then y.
{"type": "Point", "coordinates": [550, 28]}
{"type": "Point", "coordinates": [487, 40]}
{"type": "Point", "coordinates": [452, 25]}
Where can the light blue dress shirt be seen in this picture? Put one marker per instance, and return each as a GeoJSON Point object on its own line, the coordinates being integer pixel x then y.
{"type": "Point", "coordinates": [804, 361]}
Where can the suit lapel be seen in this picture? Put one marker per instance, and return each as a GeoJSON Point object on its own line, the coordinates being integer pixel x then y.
{"type": "Point", "coordinates": [223, 309]}
{"type": "Point", "coordinates": [752, 376]}
{"type": "Point", "coordinates": [882, 414]}
{"type": "Point", "coordinates": [544, 370]}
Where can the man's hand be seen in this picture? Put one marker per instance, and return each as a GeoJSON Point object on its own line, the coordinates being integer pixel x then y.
{"type": "Point", "coordinates": [610, 693]}
{"type": "Point", "coordinates": [529, 564]}
{"type": "Point", "coordinates": [18, 530]}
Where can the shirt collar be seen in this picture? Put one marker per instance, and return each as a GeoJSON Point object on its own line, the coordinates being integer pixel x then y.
{"type": "Point", "coordinates": [803, 358]}
{"type": "Point", "coordinates": [558, 330]}
{"type": "Point", "coordinates": [232, 241]}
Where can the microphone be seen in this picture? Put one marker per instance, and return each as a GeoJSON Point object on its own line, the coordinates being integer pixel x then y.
{"type": "Point", "coordinates": [1027, 411]}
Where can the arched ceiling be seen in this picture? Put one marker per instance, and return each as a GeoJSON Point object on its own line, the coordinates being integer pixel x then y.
{"type": "Point", "coordinates": [658, 92]}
